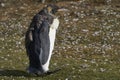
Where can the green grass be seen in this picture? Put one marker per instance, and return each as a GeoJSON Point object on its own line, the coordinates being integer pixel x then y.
{"type": "Point", "coordinates": [85, 49]}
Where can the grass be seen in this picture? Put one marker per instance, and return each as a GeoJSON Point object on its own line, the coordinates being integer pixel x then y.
{"type": "Point", "coordinates": [87, 45]}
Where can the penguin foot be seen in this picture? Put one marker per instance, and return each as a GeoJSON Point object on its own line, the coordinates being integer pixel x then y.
{"type": "Point", "coordinates": [34, 71]}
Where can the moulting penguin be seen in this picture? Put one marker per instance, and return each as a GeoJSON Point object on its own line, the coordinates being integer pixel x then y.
{"type": "Point", "coordinates": [40, 38]}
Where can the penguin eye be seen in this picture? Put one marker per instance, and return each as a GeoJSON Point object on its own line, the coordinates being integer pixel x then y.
{"type": "Point", "coordinates": [54, 11]}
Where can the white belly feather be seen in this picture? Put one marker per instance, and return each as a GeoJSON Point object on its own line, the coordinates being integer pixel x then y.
{"type": "Point", "coordinates": [52, 35]}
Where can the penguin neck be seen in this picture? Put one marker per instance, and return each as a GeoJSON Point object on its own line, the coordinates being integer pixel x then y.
{"type": "Point", "coordinates": [52, 15]}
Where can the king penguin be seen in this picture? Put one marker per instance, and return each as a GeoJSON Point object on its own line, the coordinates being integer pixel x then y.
{"type": "Point", "coordinates": [40, 38]}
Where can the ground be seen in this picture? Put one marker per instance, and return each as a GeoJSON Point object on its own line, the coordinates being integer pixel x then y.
{"type": "Point", "coordinates": [87, 43]}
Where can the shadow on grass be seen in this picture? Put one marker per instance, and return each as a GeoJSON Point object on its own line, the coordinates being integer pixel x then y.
{"type": "Point", "coordinates": [18, 73]}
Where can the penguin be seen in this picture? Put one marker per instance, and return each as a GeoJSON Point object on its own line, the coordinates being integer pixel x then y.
{"type": "Point", "coordinates": [40, 39]}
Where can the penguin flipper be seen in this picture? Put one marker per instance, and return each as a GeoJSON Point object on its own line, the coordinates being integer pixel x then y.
{"type": "Point", "coordinates": [45, 42]}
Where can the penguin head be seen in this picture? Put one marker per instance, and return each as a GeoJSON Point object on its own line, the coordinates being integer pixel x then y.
{"type": "Point", "coordinates": [52, 9]}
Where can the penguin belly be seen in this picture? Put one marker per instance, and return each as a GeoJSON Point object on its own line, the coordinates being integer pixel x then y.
{"type": "Point", "coordinates": [52, 35]}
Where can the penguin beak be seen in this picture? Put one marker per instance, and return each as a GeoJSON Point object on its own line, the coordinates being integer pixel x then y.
{"type": "Point", "coordinates": [62, 9]}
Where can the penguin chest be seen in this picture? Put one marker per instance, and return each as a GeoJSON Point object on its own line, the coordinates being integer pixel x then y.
{"type": "Point", "coordinates": [52, 33]}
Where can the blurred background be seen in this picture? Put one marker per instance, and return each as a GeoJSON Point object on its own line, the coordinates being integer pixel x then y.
{"type": "Point", "coordinates": [87, 43]}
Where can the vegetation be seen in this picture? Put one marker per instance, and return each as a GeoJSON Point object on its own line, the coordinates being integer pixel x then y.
{"type": "Point", "coordinates": [87, 45]}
